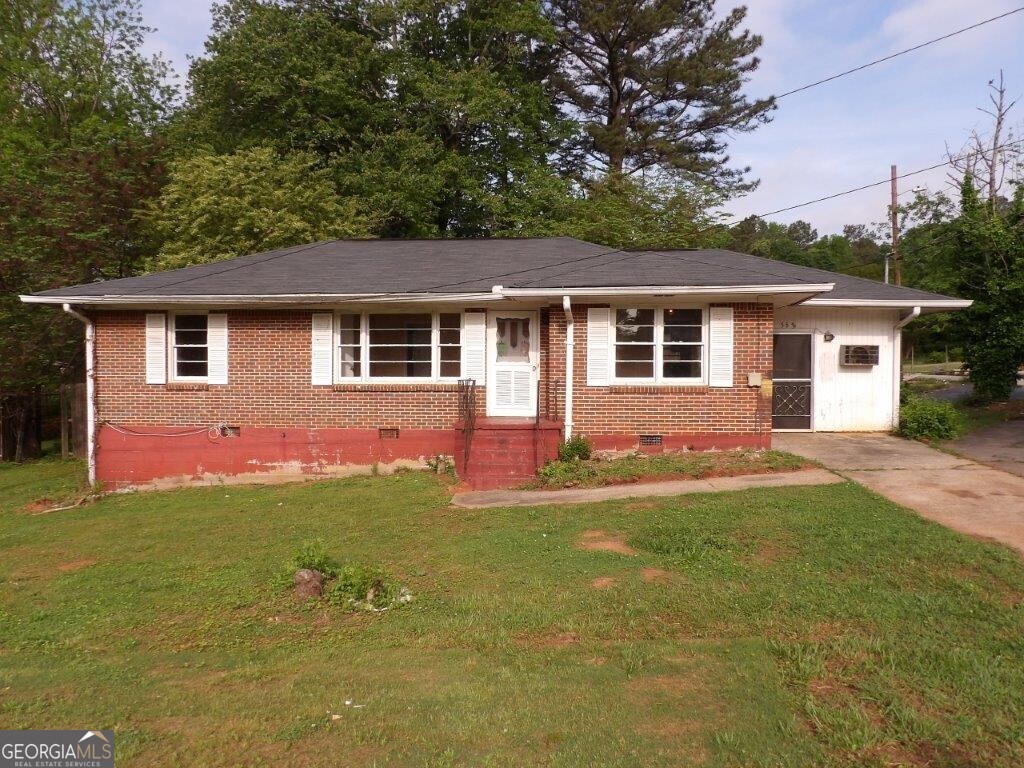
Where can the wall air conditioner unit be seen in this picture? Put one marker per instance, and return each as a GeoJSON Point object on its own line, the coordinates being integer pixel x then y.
{"type": "Point", "coordinates": [858, 354]}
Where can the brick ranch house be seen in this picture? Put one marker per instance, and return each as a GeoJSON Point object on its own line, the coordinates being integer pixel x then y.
{"type": "Point", "coordinates": [339, 356]}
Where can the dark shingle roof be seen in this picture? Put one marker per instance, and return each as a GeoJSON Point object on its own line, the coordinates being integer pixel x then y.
{"type": "Point", "coordinates": [355, 267]}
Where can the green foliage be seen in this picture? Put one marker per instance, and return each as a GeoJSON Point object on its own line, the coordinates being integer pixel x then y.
{"type": "Point", "coordinates": [80, 112]}
{"type": "Point", "coordinates": [924, 418]}
{"type": "Point", "coordinates": [216, 207]}
{"type": "Point", "coordinates": [360, 587]}
{"type": "Point", "coordinates": [989, 265]}
{"type": "Point", "coordinates": [658, 84]}
{"type": "Point", "coordinates": [576, 448]}
{"type": "Point", "coordinates": [572, 472]}
{"type": "Point", "coordinates": [312, 554]}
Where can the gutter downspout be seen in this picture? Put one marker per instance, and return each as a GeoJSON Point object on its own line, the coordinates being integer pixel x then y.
{"type": "Point", "coordinates": [90, 389]}
{"type": "Point", "coordinates": [897, 362]}
{"type": "Point", "coordinates": [570, 346]}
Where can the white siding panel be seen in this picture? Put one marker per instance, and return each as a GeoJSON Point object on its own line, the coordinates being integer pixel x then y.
{"type": "Point", "coordinates": [848, 399]}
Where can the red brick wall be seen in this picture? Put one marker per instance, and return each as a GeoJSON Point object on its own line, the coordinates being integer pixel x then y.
{"type": "Point", "coordinates": [322, 428]}
{"type": "Point", "coordinates": [268, 383]}
{"type": "Point", "coordinates": [685, 416]}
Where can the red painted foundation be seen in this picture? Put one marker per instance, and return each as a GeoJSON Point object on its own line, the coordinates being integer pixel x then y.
{"type": "Point", "coordinates": [166, 454]}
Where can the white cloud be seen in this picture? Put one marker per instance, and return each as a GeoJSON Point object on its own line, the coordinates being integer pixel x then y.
{"type": "Point", "coordinates": [922, 20]}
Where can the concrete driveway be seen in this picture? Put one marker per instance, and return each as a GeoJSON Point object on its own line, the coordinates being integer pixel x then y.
{"type": "Point", "coordinates": [957, 492]}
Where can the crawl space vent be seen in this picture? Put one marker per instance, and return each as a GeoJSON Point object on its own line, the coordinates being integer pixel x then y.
{"type": "Point", "coordinates": [387, 433]}
{"type": "Point", "coordinates": [650, 439]}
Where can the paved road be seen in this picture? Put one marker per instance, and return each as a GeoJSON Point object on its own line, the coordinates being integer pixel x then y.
{"type": "Point", "coordinates": [1000, 446]}
{"type": "Point", "coordinates": [962, 494]}
{"type": "Point", "coordinates": [957, 391]}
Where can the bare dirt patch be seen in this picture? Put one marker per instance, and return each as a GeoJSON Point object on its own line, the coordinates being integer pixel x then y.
{"type": "Point", "coordinates": [603, 541]}
{"type": "Point", "coordinates": [604, 582]}
{"type": "Point", "coordinates": [76, 565]}
{"type": "Point", "coordinates": [547, 640]}
{"type": "Point", "coordinates": [655, 575]}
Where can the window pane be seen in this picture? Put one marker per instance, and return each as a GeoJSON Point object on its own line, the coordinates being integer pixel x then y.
{"type": "Point", "coordinates": [634, 317]}
{"type": "Point", "coordinates": [634, 370]}
{"type": "Point", "coordinates": [451, 369]}
{"type": "Point", "coordinates": [192, 354]}
{"type": "Point", "coordinates": [683, 317]}
{"type": "Point", "coordinates": [190, 322]}
{"type": "Point", "coordinates": [399, 369]}
{"type": "Point", "coordinates": [634, 362]}
{"type": "Point", "coordinates": [400, 336]}
{"type": "Point", "coordinates": [350, 358]}
{"type": "Point", "coordinates": [635, 325]}
{"type": "Point", "coordinates": [681, 370]}
{"type": "Point", "coordinates": [687, 352]}
{"type": "Point", "coordinates": [190, 338]}
{"type": "Point", "coordinates": [450, 320]}
{"type": "Point", "coordinates": [400, 321]}
{"type": "Point", "coordinates": [394, 354]}
{"type": "Point", "coordinates": [451, 336]}
{"type": "Point", "coordinates": [682, 333]}
{"type": "Point", "coordinates": [191, 369]}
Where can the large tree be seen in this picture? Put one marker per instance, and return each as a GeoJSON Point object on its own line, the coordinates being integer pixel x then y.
{"type": "Point", "coordinates": [80, 109]}
{"type": "Point", "coordinates": [216, 207]}
{"type": "Point", "coordinates": [989, 266]}
{"type": "Point", "coordinates": [432, 114]}
{"type": "Point", "coordinates": [658, 84]}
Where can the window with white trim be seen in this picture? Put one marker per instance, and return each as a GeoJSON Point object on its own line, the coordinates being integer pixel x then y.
{"type": "Point", "coordinates": [655, 345]}
{"type": "Point", "coordinates": [190, 350]}
{"type": "Point", "coordinates": [398, 346]}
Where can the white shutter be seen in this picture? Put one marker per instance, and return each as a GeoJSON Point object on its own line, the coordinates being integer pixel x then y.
{"type": "Point", "coordinates": [323, 348]}
{"type": "Point", "coordinates": [156, 348]}
{"type": "Point", "coordinates": [721, 347]}
{"type": "Point", "coordinates": [217, 339]}
{"type": "Point", "coordinates": [598, 347]}
{"type": "Point", "coordinates": [474, 346]}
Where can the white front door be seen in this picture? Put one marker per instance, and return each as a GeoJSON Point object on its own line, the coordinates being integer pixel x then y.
{"type": "Point", "coordinates": [513, 353]}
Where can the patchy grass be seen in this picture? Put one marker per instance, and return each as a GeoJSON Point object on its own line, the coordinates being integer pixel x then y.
{"type": "Point", "coordinates": [977, 416]}
{"type": "Point", "coordinates": [954, 368]}
{"type": "Point", "coordinates": [816, 626]}
{"type": "Point", "coordinates": [689, 465]}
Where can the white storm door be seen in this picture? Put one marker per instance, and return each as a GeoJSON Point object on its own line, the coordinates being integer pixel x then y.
{"type": "Point", "coordinates": [513, 353]}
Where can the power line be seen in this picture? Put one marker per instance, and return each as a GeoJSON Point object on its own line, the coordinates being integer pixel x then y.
{"type": "Point", "coordinates": [877, 183]}
{"type": "Point", "coordinates": [898, 53]}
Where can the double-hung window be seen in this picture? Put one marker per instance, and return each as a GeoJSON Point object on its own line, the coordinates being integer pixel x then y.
{"type": "Point", "coordinates": [659, 345]}
{"type": "Point", "coordinates": [190, 350]}
{"type": "Point", "coordinates": [389, 346]}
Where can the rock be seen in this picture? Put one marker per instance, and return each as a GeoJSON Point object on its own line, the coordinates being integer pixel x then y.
{"type": "Point", "coordinates": [308, 584]}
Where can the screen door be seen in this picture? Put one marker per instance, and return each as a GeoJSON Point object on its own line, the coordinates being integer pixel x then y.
{"type": "Point", "coordinates": [792, 398]}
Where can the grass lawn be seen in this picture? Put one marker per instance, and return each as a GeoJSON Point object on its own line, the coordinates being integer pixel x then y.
{"type": "Point", "coordinates": [665, 466]}
{"type": "Point", "coordinates": [785, 627]}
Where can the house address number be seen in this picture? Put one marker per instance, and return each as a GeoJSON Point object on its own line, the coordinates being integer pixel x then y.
{"type": "Point", "coordinates": [787, 325]}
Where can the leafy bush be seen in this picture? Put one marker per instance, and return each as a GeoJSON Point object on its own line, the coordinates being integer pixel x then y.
{"type": "Point", "coordinates": [313, 555]}
{"type": "Point", "coordinates": [366, 588]}
{"type": "Point", "coordinates": [922, 418]}
{"type": "Point", "coordinates": [576, 448]}
{"type": "Point", "coordinates": [354, 587]}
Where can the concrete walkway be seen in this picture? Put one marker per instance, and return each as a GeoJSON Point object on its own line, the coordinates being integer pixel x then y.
{"type": "Point", "coordinates": [957, 492]}
{"type": "Point", "coordinates": [480, 499]}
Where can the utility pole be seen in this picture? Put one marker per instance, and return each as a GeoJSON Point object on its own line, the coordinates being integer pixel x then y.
{"type": "Point", "coordinates": [895, 219]}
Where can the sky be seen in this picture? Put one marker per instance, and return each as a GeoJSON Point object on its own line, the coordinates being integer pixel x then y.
{"type": "Point", "coordinates": [833, 137]}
